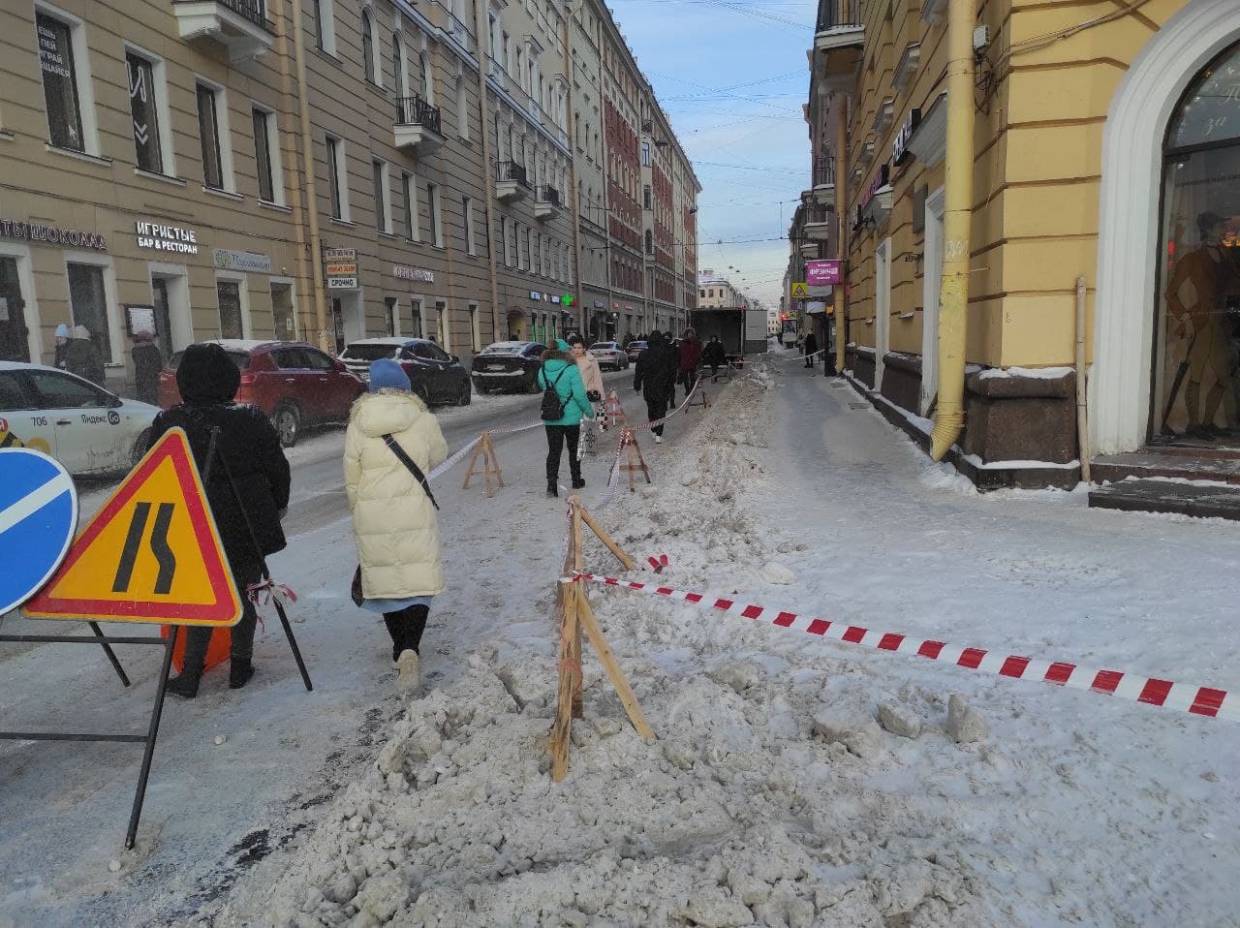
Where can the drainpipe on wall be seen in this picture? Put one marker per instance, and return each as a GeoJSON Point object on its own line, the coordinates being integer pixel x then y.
{"type": "Point", "coordinates": [841, 211]}
{"type": "Point", "coordinates": [310, 197]}
{"type": "Point", "coordinates": [488, 176]}
{"type": "Point", "coordinates": [957, 229]}
{"type": "Point", "coordinates": [572, 194]}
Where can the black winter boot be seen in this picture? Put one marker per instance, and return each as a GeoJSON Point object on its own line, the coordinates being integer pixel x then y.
{"type": "Point", "coordinates": [552, 490]}
{"type": "Point", "coordinates": [185, 685]}
{"type": "Point", "coordinates": [239, 674]}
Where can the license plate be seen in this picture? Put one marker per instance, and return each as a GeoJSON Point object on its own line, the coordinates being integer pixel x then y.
{"type": "Point", "coordinates": [495, 367]}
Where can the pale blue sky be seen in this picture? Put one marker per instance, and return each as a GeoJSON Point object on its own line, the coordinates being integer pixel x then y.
{"type": "Point", "coordinates": [732, 76]}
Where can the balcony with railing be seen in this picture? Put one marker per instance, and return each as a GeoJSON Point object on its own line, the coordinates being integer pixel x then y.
{"type": "Point", "coordinates": [418, 126]}
{"type": "Point", "coordinates": [548, 204]}
{"type": "Point", "coordinates": [511, 182]}
{"type": "Point", "coordinates": [839, 25]}
{"type": "Point", "coordinates": [818, 224]}
{"type": "Point", "coordinates": [460, 33]}
{"type": "Point", "coordinates": [823, 176]}
{"type": "Point", "coordinates": [239, 25]}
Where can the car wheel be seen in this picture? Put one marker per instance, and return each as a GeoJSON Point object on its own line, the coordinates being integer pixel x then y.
{"type": "Point", "coordinates": [465, 397]}
{"type": "Point", "coordinates": [420, 391]}
{"type": "Point", "coordinates": [139, 447]}
{"type": "Point", "coordinates": [287, 422]}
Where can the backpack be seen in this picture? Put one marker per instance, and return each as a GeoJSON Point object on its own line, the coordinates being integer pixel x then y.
{"type": "Point", "coordinates": [552, 405]}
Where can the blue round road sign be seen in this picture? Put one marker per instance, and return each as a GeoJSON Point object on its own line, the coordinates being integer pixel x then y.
{"type": "Point", "coordinates": [38, 516]}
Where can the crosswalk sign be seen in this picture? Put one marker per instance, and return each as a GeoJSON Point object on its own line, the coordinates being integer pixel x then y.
{"type": "Point", "coordinates": [800, 290]}
{"type": "Point", "coordinates": [151, 554]}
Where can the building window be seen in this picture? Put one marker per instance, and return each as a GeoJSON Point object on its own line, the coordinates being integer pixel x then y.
{"type": "Point", "coordinates": [337, 179]}
{"type": "Point", "coordinates": [368, 49]}
{"type": "Point", "coordinates": [467, 210]}
{"type": "Point", "coordinates": [409, 192]}
{"type": "Point", "coordinates": [145, 113]}
{"type": "Point", "coordinates": [88, 301]}
{"type": "Point", "coordinates": [383, 206]}
{"type": "Point", "coordinates": [391, 315]}
{"type": "Point", "coordinates": [462, 108]}
{"type": "Point", "coordinates": [646, 154]}
{"type": "Point", "coordinates": [266, 157]}
{"type": "Point", "coordinates": [209, 133]}
{"type": "Point", "coordinates": [441, 324]}
{"type": "Point", "coordinates": [435, 206]}
{"type": "Point", "coordinates": [325, 24]}
{"type": "Point", "coordinates": [647, 201]}
{"type": "Point", "coordinates": [426, 79]}
{"type": "Point", "coordinates": [505, 227]}
{"type": "Point", "coordinates": [475, 332]}
{"type": "Point", "coordinates": [400, 81]}
{"type": "Point", "coordinates": [60, 82]}
{"type": "Point", "coordinates": [228, 295]}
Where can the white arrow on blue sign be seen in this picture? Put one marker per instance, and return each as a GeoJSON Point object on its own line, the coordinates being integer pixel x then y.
{"type": "Point", "coordinates": [38, 516]}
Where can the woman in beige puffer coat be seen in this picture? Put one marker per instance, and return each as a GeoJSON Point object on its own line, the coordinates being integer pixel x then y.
{"type": "Point", "coordinates": [394, 521]}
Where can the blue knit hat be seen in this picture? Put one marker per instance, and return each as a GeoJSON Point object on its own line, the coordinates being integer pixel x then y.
{"type": "Point", "coordinates": [386, 374]}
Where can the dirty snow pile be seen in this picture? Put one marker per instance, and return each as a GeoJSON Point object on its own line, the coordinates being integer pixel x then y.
{"type": "Point", "coordinates": [757, 804]}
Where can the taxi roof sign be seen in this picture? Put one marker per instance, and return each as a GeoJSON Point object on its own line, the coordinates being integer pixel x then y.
{"type": "Point", "coordinates": [151, 554]}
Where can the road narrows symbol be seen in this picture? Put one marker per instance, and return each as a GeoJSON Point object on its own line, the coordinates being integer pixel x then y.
{"type": "Point", "coordinates": [159, 547]}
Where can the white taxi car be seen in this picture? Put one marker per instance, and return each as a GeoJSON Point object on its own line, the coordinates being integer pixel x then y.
{"type": "Point", "coordinates": [86, 428]}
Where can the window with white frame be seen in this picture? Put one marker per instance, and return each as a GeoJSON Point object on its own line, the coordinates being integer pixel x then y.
{"type": "Point", "coordinates": [435, 206]}
{"type": "Point", "coordinates": [148, 107]}
{"type": "Point", "coordinates": [462, 108]}
{"type": "Point", "coordinates": [267, 159]}
{"type": "Point", "coordinates": [88, 303]}
{"type": "Point", "coordinates": [383, 196]}
{"type": "Point", "coordinates": [442, 328]}
{"type": "Point", "coordinates": [467, 211]}
{"type": "Point", "coordinates": [534, 254]}
{"type": "Point", "coordinates": [505, 230]}
{"type": "Point", "coordinates": [217, 173]}
{"type": "Point", "coordinates": [409, 194]}
{"type": "Point", "coordinates": [64, 63]}
{"type": "Point", "coordinates": [521, 254]}
{"type": "Point", "coordinates": [400, 66]}
{"type": "Point", "coordinates": [426, 78]}
{"type": "Point", "coordinates": [529, 254]}
{"type": "Point", "coordinates": [338, 179]}
{"type": "Point", "coordinates": [325, 25]}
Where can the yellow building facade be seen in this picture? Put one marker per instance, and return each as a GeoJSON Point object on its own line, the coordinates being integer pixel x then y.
{"type": "Point", "coordinates": [1106, 147]}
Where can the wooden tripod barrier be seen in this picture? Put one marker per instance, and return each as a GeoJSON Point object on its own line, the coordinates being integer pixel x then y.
{"type": "Point", "coordinates": [614, 410]}
{"type": "Point", "coordinates": [631, 460]}
{"type": "Point", "coordinates": [699, 398]}
{"type": "Point", "coordinates": [490, 470]}
{"type": "Point", "coordinates": [575, 615]}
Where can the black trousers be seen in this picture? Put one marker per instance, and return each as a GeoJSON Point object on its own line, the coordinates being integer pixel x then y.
{"type": "Point", "coordinates": [809, 360]}
{"type": "Point", "coordinates": [197, 639]}
{"type": "Point", "coordinates": [406, 627]}
{"type": "Point", "coordinates": [557, 436]}
{"type": "Point", "coordinates": [656, 408]}
{"type": "Point", "coordinates": [688, 378]}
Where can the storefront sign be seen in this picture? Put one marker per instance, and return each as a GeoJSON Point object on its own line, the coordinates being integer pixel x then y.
{"type": "Point", "coordinates": [162, 237]}
{"type": "Point", "coordinates": [823, 273]}
{"type": "Point", "coordinates": [405, 272]}
{"type": "Point", "coordinates": [51, 235]}
{"type": "Point", "coordinates": [340, 265]}
{"type": "Point", "coordinates": [535, 295]}
{"type": "Point", "coordinates": [227, 260]}
{"type": "Point", "coordinates": [899, 149]}
{"type": "Point", "coordinates": [555, 299]}
{"type": "Point", "coordinates": [876, 185]}
{"type": "Point", "coordinates": [600, 304]}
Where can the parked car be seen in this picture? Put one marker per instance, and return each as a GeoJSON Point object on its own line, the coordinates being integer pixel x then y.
{"type": "Point", "coordinates": [508, 366]}
{"type": "Point", "coordinates": [635, 349]}
{"type": "Point", "coordinates": [85, 427]}
{"type": "Point", "coordinates": [294, 383]}
{"type": "Point", "coordinates": [610, 354]}
{"type": "Point", "coordinates": [438, 377]}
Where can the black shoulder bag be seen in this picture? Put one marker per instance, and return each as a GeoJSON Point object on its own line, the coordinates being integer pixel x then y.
{"type": "Point", "coordinates": [355, 590]}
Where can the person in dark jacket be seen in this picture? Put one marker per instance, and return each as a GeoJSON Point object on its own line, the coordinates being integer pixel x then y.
{"type": "Point", "coordinates": [247, 483]}
{"type": "Point", "coordinates": [148, 361]}
{"type": "Point", "coordinates": [690, 356]}
{"type": "Point", "coordinates": [655, 379]}
{"type": "Point", "coordinates": [713, 355]}
{"type": "Point", "coordinates": [62, 343]}
{"type": "Point", "coordinates": [811, 348]}
{"type": "Point", "coordinates": [82, 356]}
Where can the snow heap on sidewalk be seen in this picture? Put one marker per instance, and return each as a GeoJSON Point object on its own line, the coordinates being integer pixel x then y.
{"type": "Point", "coordinates": [760, 802]}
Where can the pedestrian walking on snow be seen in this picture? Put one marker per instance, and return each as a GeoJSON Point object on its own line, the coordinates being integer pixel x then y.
{"type": "Point", "coordinates": [391, 443]}
{"type": "Point", "coordinates": [811, 349]}
{"type": "Point", "coordinates": [713, 356]}
{"type": "Point", "coordinates": [247, 483]}
{"type": "Point", "coordinates": [655, 378]}
{"type": "Point", "coordinates": [564, 405]}
{"type": "Point", "coordinates": [82, 356]}
{"type": "Point", "coordinates": [592, 377]}
{"type": "Point", "coordinates": [689, 354]}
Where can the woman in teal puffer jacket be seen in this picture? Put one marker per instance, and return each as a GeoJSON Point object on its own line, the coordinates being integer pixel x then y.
{"type": "Point", "coordinates": [559, 371]}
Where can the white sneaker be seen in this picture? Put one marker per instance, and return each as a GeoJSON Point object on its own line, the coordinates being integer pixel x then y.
{"type": "Point", "coordinates": [658, 439]}
{"type": "Point", "coordinates": [408, 672]}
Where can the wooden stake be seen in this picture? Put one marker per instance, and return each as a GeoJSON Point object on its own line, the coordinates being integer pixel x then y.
{"type": "Point", "coordinates": [562, 728]}
{"type": "Point", "coordinates": [490, 471]}
{"type": "Point", "coordinates": [578, 559]}
{"type": "Point", "coordinates": [628, 699]}
{"type": "Point", "coordinates": [620, 553]}
{"type": "Point", "coordinates": [700, 398]}
{"type": "Point", "coordinates": [628, 443]}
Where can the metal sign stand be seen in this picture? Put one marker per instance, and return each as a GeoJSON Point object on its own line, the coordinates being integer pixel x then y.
{"type": "Point", "coordinates": [152, 731]}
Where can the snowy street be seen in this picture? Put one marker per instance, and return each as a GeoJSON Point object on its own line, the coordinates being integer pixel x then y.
{"type": "Point", "coordinates": [772, 795]}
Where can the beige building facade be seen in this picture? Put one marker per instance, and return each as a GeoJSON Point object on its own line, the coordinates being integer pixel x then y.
{"type": "Point", "coordinates": [386, 168]}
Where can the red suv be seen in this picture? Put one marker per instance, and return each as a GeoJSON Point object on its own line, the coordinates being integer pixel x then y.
{"type": "Point", "coordinates": [294, 383]}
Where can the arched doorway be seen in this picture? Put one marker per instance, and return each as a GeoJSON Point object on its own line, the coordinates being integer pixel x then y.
{"type": "Point", "coordinates": [1131, 270]}
{"type": "Point", "coordinates": [1197, 327]}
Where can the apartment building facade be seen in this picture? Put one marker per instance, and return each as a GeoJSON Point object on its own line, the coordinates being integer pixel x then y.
{"type": "Point", "coordinates": [168, 158]}
{"type": "Point", "coordinates": [1105, 149]}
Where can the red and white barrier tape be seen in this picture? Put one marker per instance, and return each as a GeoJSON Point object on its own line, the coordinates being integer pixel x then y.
{"type": "Point", "coordinates": [653, 422]}
{"type": "Point", "coordinates": [1198, 700]}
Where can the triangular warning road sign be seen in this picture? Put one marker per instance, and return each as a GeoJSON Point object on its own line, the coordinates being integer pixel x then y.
{"type": "Point", "coordinates": [151, 554]}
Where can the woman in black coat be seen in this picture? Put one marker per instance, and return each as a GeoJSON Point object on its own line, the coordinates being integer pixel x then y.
{"type": "Point", "coordinates": [811, 349]}
{"type": "Point", "coordinates": [247, 482]}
